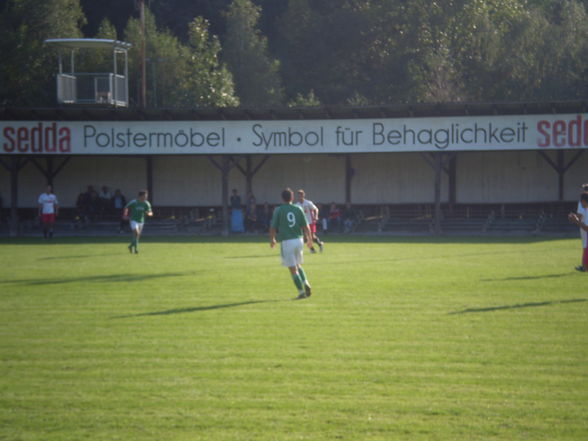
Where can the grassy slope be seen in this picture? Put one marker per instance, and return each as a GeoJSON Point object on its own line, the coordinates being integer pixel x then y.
{"type": "Point", "coordinates": [420, 339]}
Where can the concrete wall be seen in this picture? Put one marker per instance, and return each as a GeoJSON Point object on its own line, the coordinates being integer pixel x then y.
{"type": "Point", "coordinates": [485, 177]}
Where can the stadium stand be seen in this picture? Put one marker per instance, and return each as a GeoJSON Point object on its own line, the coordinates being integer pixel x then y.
{"type": "Point", "coordinates": [491, 219]}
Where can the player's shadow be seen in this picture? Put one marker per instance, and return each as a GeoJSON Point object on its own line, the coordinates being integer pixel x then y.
{"type": "Point", "coordinates": [106, 278]}
{"type": "Point", "coordinates": [517, 306]}
{"type": "Point", "coordinates": [545, 276]}
{"type": "Point", "coordinates": [76, 256]}
{"type": "Point", "coordinates": [198, 308]}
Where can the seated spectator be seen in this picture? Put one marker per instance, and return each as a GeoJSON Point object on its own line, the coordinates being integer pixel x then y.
{"type": "Point", "coordinates": [335, 218]}
{"type": "Point", "coordinates": [264, 217]}
{"type": "Point", "coordinates": [105, 198]}
{"type": "Point", "coordinates": [82, 206]}
{"type": "Point", "coordinates": [93, 204]}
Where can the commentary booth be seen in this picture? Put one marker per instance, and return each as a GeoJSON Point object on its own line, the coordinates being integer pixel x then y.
{"type": "Point", "coordinates": [442, 158]}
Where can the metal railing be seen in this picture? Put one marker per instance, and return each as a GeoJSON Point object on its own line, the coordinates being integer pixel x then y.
{"type": "Point", "coordinates": [92, 88]}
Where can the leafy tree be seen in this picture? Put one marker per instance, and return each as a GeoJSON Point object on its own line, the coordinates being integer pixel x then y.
{"type": "Point", "coordinates": [309, 100]}
{"type": "Point", "coordinates": [179, 75]}
{"type": "Point", "coordinates": [28, 66]}
{"type": "Point", "coordinates": [256, 75]}
{"type": "Point", "coordinates": [208, 83]}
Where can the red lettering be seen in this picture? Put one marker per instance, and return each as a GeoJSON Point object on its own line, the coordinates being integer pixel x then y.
{"type": "Point", "coordinates": [543, 127]}
{"type": "Point", "coordinates": [39, 138]}
{"type": "Point", "coordinates": [64, 140]}
{"type": "Point", "coordinates": [22, 137]}
{"type": "Point", "coordinates": [560, 133]}
{"type": "Point", "coordinates": [51, 138]}
{"type": "Point", "coordinates": [575, 127]}
{"type": "Point", "coordinates": [36, 139]}
{"type": "Point", "coordinates": [8, 133]}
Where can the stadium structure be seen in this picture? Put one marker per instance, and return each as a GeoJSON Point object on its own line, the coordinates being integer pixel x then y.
{"type": "Point", "coordinates": [421, 168]}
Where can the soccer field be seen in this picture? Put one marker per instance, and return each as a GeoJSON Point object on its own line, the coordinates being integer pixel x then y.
{"type": "Point", "coordinates": [199, 339]}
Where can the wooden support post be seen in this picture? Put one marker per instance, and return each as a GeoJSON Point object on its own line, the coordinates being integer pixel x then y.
{"type": "Point", "coordinates": [435, 160]}
{"type": "Point", "coordinates": [149, 172]}
{"type": "Point", "coordinates": [49, 170]}
{"type": "Point", "coordinates": [348, 177]}
{"type": "Point", "coordinates": [14, 166]}
{"type": "Point", "coordinates": [560, 168]}
{"type": "Point", "coordinates": [249, 171]}
{"type": "Point", "coordinates": [452, 174]}
{"type": "Point", "coordinates": [438, 170]}
{"type": "Point", "coordinates": [224, 167]}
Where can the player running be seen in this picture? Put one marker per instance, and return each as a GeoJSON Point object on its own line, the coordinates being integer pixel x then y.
{"type": "Point", "coordinates": [48, 210]}
{"type": "Point", "coordinates": [312, 214]}
{"type": "Point", "coordinates": [137, 208]}
{"type": "Point", "coordinates": [290, 225]}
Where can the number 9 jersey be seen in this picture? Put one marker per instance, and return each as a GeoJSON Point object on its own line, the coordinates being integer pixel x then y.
{"type": "Point", "coordinates": [288, 221]}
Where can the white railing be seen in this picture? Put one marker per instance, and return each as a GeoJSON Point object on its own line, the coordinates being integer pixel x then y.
{"type": "Point", "coordinates": [92, 89]}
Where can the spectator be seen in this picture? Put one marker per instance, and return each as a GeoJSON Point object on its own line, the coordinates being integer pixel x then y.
{"type": "Point", "coordinates": [82, 204]}
{"type": "Point", "coordinates": [105, 198]}
{"type": "Point", "coordinates": [251, 218]}
{"type": "Point", "coordinates": [118, 203]}
{"type": "Point", "coordinates": [236, 213]}
{"type": "Point", "coordinates": [94, 203]}
{"type": "Point", "coordinates": [264, 217]}
{"type": "Point", "coordinates": [334, 218]}
{"type": "Point", "coordinates": [324, 218]}
{"type": "Point", "coordinates": [348, 218]}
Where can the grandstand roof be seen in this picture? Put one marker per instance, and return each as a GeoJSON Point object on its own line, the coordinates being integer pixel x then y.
{"type": "Point", "coordinates": [292, 113]}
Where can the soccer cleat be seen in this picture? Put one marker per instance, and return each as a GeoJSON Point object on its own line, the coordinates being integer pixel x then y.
{"type": "Point", "coordinates": [307, 290]}
{"type": "Point", "coordinates": [130, 247]}
{"type": "Point", "coordinates": [136, 250]}
{"type": "Point", "coordinates": [321, 246]}
{"type": "Point", "coordinates": [580, 268]}
{"type": "Point", "coordinates": [301, 296]}
{"type": "Point", "coordinates": [312, 251]}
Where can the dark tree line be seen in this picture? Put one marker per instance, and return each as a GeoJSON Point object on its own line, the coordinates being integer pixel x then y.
{"type": "Point", "coordinates": [306, 52]}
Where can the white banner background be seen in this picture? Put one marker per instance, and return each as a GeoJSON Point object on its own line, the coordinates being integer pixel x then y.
{"type": "Point", "coordinates": [479, 133]}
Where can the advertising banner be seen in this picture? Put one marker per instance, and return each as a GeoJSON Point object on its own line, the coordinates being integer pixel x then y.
{"type": "Point", "coordinates": [468, 133]}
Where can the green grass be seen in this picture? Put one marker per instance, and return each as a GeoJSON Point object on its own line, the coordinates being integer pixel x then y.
{"type": "Point", "coordinates": [198, 339]}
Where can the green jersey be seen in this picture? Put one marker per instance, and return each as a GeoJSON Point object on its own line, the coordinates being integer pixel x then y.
{"type": "Point", "coordinates": [288, 220]}
{"type": "Point", "coordinates": [138, 209]}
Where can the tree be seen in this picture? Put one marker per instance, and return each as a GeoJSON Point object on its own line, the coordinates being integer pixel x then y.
{"type": "Point", "coordinates": [256, 75]}
{"type": "Point", "coordinates": [208, 83]}
{"type": "Point", "coordinates": [28, 66]}
{"type": "Point", "coordinates": [179, 75]}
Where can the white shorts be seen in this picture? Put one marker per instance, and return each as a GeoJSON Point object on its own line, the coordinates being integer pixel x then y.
{"type": "Point", "coordinates": [137, 226]}
{"type": "Point", "coordinates": [292, 252]}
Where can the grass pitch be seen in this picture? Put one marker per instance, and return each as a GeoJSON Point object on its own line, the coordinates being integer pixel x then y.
{"type": "Point", "coordinates": [198, 339]}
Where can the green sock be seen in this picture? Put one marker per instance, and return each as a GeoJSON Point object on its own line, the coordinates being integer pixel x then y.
{"type": "Point", "coordinates": [302, 275]}
{"type": "Point", "coordinates": [136, 242]}
{"type": "Point", "coordinates": [297, 281]}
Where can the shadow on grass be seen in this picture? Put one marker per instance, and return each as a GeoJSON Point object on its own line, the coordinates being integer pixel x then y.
{"type": "Point", "coordinates": [518, 306]}
{"type": "Point", "coordinates": [545, 276]}
{"type": "Point", "coordinates": [198, 309]}
{"type": "Point", "coordinates": [78, 256]}
{"type": "Point", "coordinates": [106, 278]}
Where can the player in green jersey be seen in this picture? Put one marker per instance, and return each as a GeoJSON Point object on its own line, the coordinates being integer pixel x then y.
{"type": "Point", "coordinates": [289, 226]}
{"type": "Point", "coordinates": [136, 211]}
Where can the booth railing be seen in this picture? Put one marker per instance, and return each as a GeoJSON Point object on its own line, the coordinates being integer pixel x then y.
{"type": "Point", "coordinates": [92, 89]}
